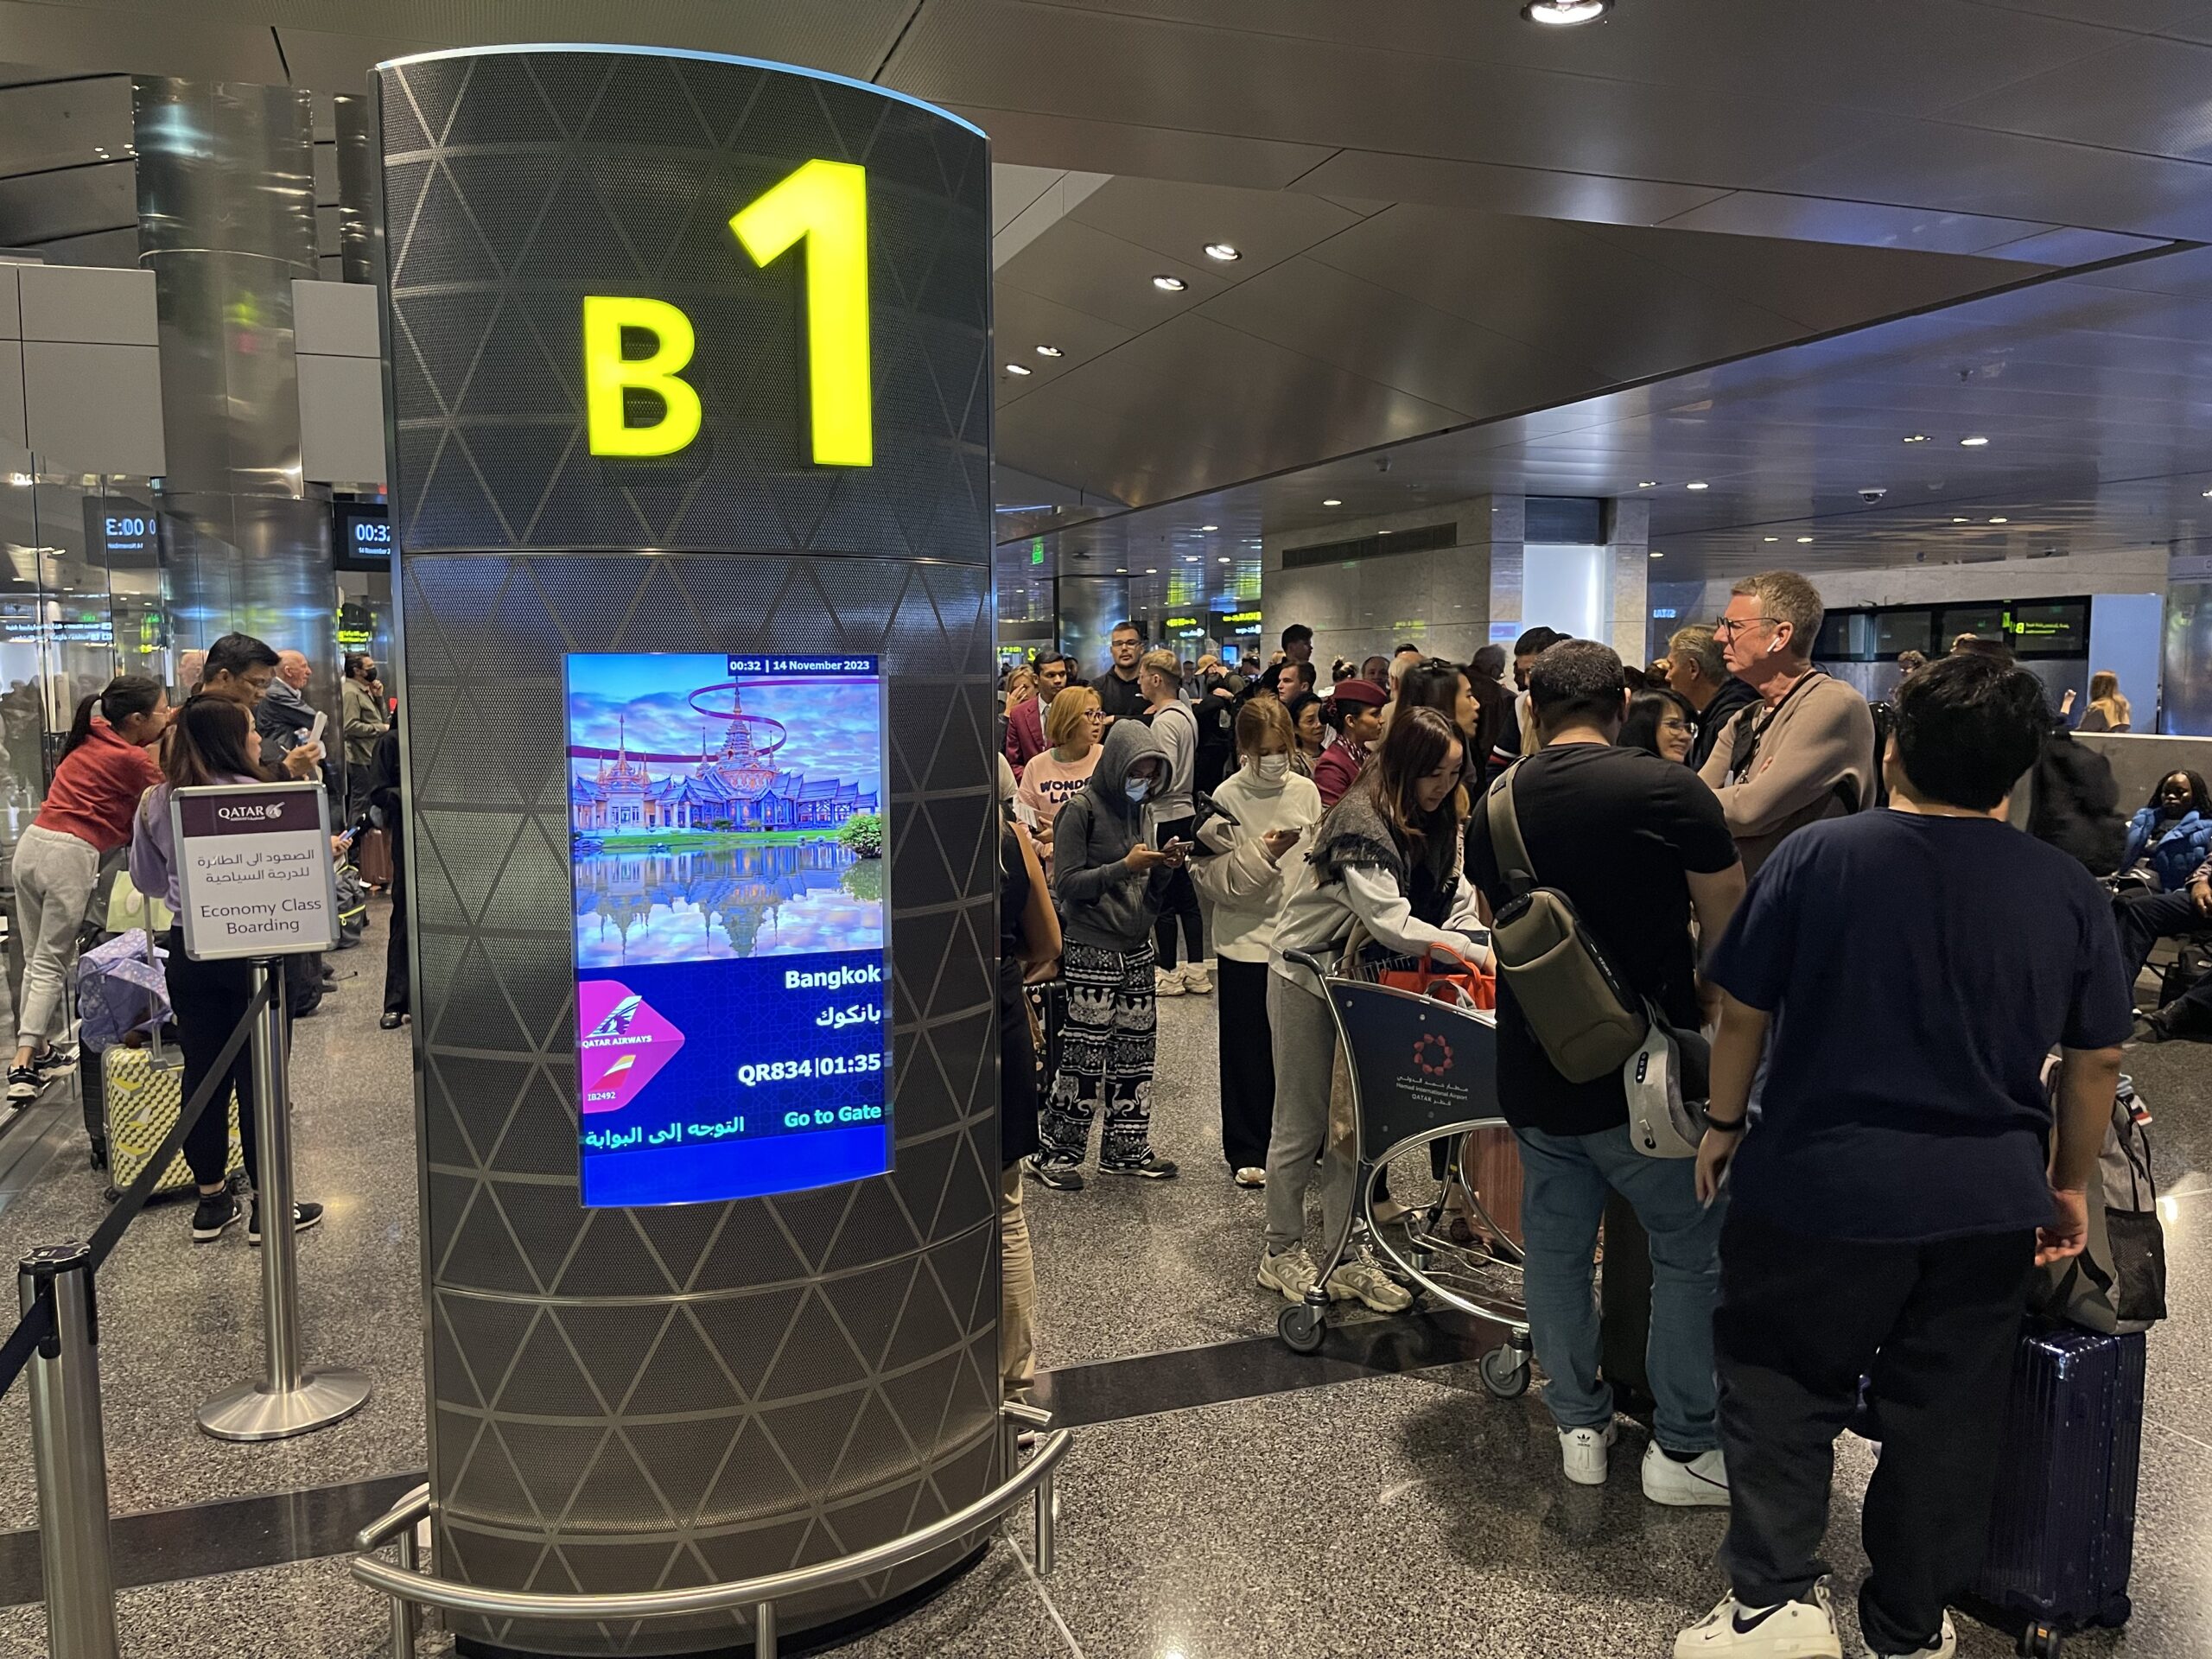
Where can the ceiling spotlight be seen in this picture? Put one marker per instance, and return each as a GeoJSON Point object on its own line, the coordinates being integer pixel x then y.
{"type": "Point", "coordinates": [1169, 284]}
{"type": "Point", "coordinates": [1657, 553]}
{"type": "Point", "coordinates": [1121, 570]}
{"type": "Point", "coordinates": [1565, 13]}
{"type": "Point", "coordinates": [1973, 443]}
{"type": "Point", "coordinates": [1917, 437]}
{"type": "Point", "coordinates": [1330, 501]}
{"type": "Point", "coordinates": [1150, 571]}
{"type": "Point", "coordinates": [2207, 495]}
{"type": "Point", "coordinates": [1209, 526]}
{"type": "Point", "coordinates": [1770, 538]}
{"type": "Point", "coordinates": [1962, 521]}
{"type": "Point", "coordinates": [1802, 540]}
{"type": "Point", "coordinates": [1222, 252]}
{"type": "Point", "coordinates": [1647, 483]}
{"type": "Point", "coordinates": [1697, 487]}
{"type": "Point", "coordinates": [1050, 351]}
{"type": "Point", "coordinates": [1016, 368]}
{"type": "Point", "coordinates": [2000, 521]}
{"type": "Point", "coordinates": [1223, 560]}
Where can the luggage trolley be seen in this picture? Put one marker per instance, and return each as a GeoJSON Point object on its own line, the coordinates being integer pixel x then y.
{"type": "Point", "coordinates": [1422, 1069]}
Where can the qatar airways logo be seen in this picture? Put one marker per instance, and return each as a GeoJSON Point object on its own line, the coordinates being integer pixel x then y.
{"type": "Point", "coordinates": [248, 814]}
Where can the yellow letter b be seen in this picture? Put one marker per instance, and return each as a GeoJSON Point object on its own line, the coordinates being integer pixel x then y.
{"type": "Point", "coordinates": [608, 375]}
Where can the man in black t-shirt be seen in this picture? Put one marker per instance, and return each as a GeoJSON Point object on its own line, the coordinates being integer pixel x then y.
{"type": "Point", "coordinates": [1639, 845]}
{"type": "Point", "coordinates": [1915, 967]}
{"type": "Point", "coordinates": [1120, 697]}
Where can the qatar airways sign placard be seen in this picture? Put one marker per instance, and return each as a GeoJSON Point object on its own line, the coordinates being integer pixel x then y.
{"type": "Point", "coordinates": [254, 870]}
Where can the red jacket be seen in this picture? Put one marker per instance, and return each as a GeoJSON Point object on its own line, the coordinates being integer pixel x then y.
{"type": "Point", "coordinates": [96, 789]}
{"type": "Point", "coordinates": [1025, 733]}
{"type": "Point", "coordinates": [1336, 770]}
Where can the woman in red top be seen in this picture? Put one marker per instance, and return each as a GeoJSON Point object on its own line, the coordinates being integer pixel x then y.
{"type": "Point", "coordinates": [103, 771]}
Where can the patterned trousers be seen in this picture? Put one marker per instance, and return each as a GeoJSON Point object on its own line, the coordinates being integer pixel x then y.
{"type": "Point", "coordinates": [1106, 1051]}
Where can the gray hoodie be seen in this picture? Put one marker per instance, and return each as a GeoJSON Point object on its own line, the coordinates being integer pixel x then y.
{"type": "Point", "coordinates": [1103, 902]}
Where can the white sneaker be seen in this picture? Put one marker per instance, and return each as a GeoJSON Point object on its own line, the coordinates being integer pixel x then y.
{"type": "Point", "coordinates": [1703, 1481]}
{"type": "Point", "coordinates": [1197, 981]}
{"type": "Point", "coordinates": [1166, 981]}
{"type": "Point", "coordinates": [1251, 1176]}
{"type": "Point", "coordinates": [1946, 1646]}
{"type": "Point", "coordinates": [1794, 1629]}
{"type": "Point", "coordinates": [1583, 1450]}
{"type": "Point", "coordinates": [1360, 1278]}
{"type": "Point", "coordinates": [1293, 1272]}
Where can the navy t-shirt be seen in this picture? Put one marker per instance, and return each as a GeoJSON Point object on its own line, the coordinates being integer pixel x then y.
{"type": "Point", "coordinates": [1919, 970]}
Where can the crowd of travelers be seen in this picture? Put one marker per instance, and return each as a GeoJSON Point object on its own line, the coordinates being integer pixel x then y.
{"type": "Point", "coordinates": [1826, 899]}
{"type": "Point", "coordinates": [240, 718]}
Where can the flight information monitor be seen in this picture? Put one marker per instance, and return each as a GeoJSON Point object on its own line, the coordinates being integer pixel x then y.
{"type": "Point", "coordinates": [726, 829]}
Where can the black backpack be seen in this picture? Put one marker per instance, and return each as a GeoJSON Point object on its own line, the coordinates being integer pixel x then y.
{"type": "Point", "coordinates": [2075, 804]}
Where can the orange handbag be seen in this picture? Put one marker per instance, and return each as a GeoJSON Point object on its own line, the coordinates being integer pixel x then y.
{"type": "Point", "coordinates": [1465, 985]}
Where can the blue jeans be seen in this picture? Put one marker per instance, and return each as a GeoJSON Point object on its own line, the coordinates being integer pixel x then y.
{"type": "Point", "coordinates": [1565, 1180]}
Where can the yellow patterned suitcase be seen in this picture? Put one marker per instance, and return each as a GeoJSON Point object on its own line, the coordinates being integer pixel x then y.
{"type": "Point", "coordinates": [145, 1091]}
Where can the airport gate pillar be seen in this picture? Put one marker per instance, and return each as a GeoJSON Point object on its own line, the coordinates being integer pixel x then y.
{"type": "Point", "coordinates": [691, 413]}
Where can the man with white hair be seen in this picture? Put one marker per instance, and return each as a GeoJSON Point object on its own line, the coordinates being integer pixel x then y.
{"type": "Point", "coordinates": [282, 716]}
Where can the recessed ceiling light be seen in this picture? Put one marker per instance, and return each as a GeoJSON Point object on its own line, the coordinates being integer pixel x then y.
{"type": "Point", "coordinates": [1917, 437]}
{"type": "Point", "coordinates": [1120, 571]}
{"type": "Point", "coordinates": [1209, 526]}
{"type": "Point", "coordinates": [1190, 558]}
{"type": "Point", "coordinates": [1017, 368]}
{"type": "Point", "coordinates": [1050, 351]}
{"type": "Point", "coordinates": [1647, 483]}
{"type": "Point", "coordinates": [1150, 571]}
{"type": "Point", "coordinates": [1224, 251]}
{"type": "Point", "coordinates": [1962, 521]}
{"type": "Point", "coordinates": [1770, 538]}
{"type": "Point", "coordinates": [1699, 485]}
{"type": "Point", "coordinates": [1330, 501]}
{"type": "Point", "coordinates": [1657, 553]}
{"type": "Point", "coordinates": [1223, 560]}
{"type": "Point", "coordinates": [1802, 540]}
{"type": "Point", "coordinates": [2000, 521]}
{"type": "Point", "coordinates": [1973, 443]}
{"type": "Point", "coordinates": [1565, 13]}
{"type": "Point", "coordinates": [2208, 494]}
{"type": "Point", "coordinates": [1382, 533]}
{"type": "Point", "coordinates": [1169, 284]}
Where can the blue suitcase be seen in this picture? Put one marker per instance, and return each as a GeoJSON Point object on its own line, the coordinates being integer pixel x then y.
{"type": "Point", "coordinates": [2062, 1531]}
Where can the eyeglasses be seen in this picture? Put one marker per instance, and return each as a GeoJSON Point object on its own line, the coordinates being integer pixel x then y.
{"type": "Point", "coordinates": [1725, 626]}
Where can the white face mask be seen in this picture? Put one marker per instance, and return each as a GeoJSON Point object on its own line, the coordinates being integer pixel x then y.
{"type": "Point", "coordinates": [1137, 788]}
{"type": "Point", "coordinates": [1272, 767]}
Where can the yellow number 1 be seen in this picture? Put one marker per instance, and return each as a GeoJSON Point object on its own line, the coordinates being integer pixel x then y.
{"type": "Point", "coordinates": [825, 203]}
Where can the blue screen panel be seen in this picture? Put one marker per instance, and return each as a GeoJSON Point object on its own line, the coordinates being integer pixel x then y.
{"type": "Point", "coordinates": [732, 941]}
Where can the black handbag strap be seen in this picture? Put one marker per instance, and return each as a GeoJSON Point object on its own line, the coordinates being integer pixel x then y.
{"type": "Point", "coordinates": [1515, 868]}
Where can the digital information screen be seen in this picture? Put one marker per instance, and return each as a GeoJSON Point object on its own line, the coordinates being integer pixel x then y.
{"type": "Point", "coordinates": [732, 944]}
{"type": "Point", "coordinates": [362, 532]}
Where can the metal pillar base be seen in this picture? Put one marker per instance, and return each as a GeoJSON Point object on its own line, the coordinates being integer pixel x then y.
{"type": "Point", "coordinates": [252, 1411]}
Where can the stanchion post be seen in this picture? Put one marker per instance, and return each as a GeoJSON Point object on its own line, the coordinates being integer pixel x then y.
{"type": "Point", "coordinates": [764, 1630]}
{"type": "Point", "coordinates": [1048, 1521]}
{"type": "Point", "coordinates": [291, 1398]}
{"type": "Point", "coordinates": [402, 1610]}
{"type": "Point", "coordinates": [69, 1455]}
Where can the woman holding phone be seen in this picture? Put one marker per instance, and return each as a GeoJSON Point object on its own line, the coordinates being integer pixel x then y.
{"type": "Point", "coordinates": [1266, 812]}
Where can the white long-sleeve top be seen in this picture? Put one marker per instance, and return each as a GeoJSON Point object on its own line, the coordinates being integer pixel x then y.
{"type": "Point", "coordinates": [1316, 917]}
{"type": "Point", "coordinates": [1244, 886]}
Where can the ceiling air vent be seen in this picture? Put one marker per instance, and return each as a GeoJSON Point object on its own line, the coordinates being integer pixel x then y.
{"type": "Point", "coordinates": [1423, 540]}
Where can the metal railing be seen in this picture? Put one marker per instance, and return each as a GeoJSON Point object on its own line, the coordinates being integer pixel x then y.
{"type": "Point", "coordinates": [409, 1587]}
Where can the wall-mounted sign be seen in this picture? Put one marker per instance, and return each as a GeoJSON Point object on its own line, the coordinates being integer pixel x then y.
{"type": "Point", "coordinates": [361, 535]}
{"type": "Point", "coordinates": [821, 204]}
{"type": "Point", "coordinates": [254, 870]}
{"type": "Point", "coordinates": [732, 959]}
{"type": "Point", "coordinates": [1235, 617]}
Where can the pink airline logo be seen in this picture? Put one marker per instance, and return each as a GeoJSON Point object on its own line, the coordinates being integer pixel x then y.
{"type": "Point", "coordinates": [624, 1044]}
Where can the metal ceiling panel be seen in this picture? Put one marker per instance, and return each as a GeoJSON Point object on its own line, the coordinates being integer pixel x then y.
{"type": "Point", "coordinates": [1538, 192]}
{"type": "Point", "coordinates": [2145, 95]}
{"type": "Point", "coordinates": [75, 123]}
{"type": "Point", "coordinates": [1814, 219]}
{"type": "Point", "coordinates": [1054, 140]}
{"type": "Point", "coordinates": [1022, 321]}
{"type": "Point", "coordinates": [2138, 17]}
{"type": "Point", "coordinates": [1179, 220]}
{"type": "Point", "coordinates": [1085, 270]}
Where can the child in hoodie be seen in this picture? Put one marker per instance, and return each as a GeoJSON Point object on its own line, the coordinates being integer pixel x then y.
{"type": "Point", "coordinates": [1110, 887]}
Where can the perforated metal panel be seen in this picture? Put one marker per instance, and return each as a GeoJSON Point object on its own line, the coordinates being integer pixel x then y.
{"type": "Point", "coordinates": [626, 1399]}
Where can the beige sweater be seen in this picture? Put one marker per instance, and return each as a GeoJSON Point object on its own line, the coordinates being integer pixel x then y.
{"type": "Point", "coordinates": [1814, 760]}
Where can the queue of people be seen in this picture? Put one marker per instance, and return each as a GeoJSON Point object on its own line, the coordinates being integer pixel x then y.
{"type": "Point", "coordinates": [1854, 1208]}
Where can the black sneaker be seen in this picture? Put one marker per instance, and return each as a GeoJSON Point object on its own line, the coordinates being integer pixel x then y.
{"type": "Point", "coordinates": [24, 1084]}
{"type": "Point", "coordinates": [215, 1213]}
{"type": "Point", "coordinates": [304, 1216]}
{"type": "Point", "coordinates": [1153, 1168]}
{"type": "Point", "coordinates": [55, 1059]}
{"type": "Point", "coordinates": [1060, 1176]}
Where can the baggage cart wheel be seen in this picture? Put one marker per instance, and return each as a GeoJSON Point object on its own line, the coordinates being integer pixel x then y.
{"type": "Point", "coordinates": [2039, 1641]}
{"type": "Point", "coordinates": [1504, 1371]}
{"type": "Point", "coordinates": [1300, 1328]}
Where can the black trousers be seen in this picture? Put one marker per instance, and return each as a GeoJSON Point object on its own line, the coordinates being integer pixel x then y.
{"type": "Point", "coordinates": [1179, 903]}
{"type": "Point", "coordinates": [1247, 1063]}
{"type": "Point", "coordinates": [209, 997]}
{"type": "Point", "coordinates": [395, 950]}
{"type": "Point", "coordinates": [2144, 918]}
{"type": "Point", "coordinates": [1801, 1321]}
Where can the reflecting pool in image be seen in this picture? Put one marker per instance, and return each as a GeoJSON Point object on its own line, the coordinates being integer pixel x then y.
{"type": "Point", "coordinates": [664, 902]}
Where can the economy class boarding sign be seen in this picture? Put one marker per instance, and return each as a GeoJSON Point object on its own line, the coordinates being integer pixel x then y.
{"type": "Point", "coordinates": [727, 848]}
{"type": "Point", "coordinates": [254, 870]}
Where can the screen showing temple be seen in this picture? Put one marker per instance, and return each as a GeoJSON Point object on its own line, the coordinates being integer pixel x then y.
{"type": "Point", "coordinates": [733, 974]}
